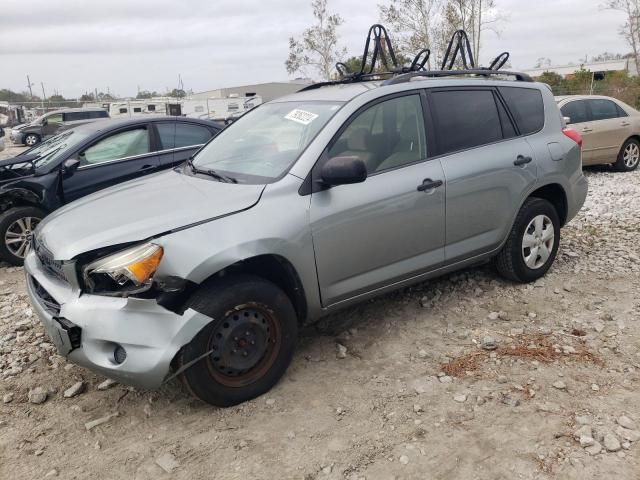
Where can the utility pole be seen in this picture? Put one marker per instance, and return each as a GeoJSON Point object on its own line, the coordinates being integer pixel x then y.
{"type": "Point", "coordinates": [44, 95]}
{"type": "Point", "coordinates": [29, 85]}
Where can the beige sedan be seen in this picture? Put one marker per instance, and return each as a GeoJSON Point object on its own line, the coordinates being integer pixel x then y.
{"type": "Point", "coordinates": [610, 129]}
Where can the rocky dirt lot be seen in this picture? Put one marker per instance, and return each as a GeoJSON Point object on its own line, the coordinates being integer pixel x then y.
{"type": "Point", "coordinates": [466, 377]}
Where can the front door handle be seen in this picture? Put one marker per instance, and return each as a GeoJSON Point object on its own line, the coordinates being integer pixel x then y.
{"type": "Point", "coordinates": [145, 168]}
{"type": "Point", "coordinates": [522, 160]}
{"type": "Point", "coordinates": [429, 184]}
{"type": "Point", "coordinates": [625, 124]}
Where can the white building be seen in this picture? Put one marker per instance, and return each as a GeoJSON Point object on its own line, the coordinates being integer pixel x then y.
{"type": "Point", "coordinates": [268, 91]}
{"type": "Point", "coordinates": [624, 64]}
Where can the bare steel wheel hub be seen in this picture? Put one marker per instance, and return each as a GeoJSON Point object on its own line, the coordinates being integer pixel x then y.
{"type": "Point", "coordinates": [245, 344]}
{"type": "Point", "coordinates": [18, 236]}
{"type": "Point", "coordinates": [538, 242]}
{"type": "Point", "coordinates": [631, 155]}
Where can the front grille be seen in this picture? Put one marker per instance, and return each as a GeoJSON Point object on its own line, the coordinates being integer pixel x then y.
{"type": "Point", "coordinates": [52, 266]}
{"type": "Point", "coordinates": [45, 299]}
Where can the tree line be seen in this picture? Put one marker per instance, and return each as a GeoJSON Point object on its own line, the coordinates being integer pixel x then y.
{"type": "Point", "coordinates": [57, 100]}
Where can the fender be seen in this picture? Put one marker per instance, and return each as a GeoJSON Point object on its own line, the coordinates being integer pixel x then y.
{"type": "Point", "coordinates": [40, 191]}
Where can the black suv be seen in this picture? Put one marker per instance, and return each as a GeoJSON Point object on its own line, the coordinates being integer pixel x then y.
{"type": "Point", "coordinates": [52, 123]}
{"type": "Point", "coordinates": [84, 159]}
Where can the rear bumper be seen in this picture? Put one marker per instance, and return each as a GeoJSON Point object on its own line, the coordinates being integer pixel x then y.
{"type": "Point", "coordinates": [16, 136]}
{"type": "Point", "coordinates": [579, 191]}
{"type": "Point", "coordinates": [149, 334]}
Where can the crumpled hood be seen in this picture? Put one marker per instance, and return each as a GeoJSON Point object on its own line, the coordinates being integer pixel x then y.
{"type": "Point", "coordinates": [140, 209]}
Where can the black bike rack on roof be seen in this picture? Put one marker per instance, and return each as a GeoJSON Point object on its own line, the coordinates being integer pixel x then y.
{"type": "Point", "coordinates": [459, 46]}
{"type": "Point", "coordinates": [377, 49]}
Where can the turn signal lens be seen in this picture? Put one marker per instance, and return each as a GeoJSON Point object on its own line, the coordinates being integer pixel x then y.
{"type": "Point", "coordinates": [145, 268]}
{"type": "Point", "coordinates": [136, 265]}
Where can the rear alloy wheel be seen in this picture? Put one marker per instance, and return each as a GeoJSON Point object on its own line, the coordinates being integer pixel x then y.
{"type": "Point", "coordinates": [31, 139]}
{"type": "Point", "coordinates": [248, 346]}
{"type": "Point", "coordinates": [629, 156]}
{"type": "Point", "coordinates": [532, 245]}
{"type": "Point", "coordinates": [16, 228]}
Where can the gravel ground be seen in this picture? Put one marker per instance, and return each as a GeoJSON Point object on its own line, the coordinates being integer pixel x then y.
{"type": "Point", "coordinates": [465, 377]}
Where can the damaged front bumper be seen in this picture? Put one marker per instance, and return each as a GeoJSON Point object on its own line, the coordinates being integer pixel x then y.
{"type": "Point", "coordinates": [88, 329]}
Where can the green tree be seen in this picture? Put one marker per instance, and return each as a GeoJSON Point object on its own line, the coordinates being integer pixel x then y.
{"type": "Point", "coordinates": [177, 93]}
{"type": "Point", "coordinates": [146, 94]}
{"type": "Point", "coordinates": [7, 95]}
{"type": "Point", "coordinates": [556, 81]}
{"type": "Point", "coordinates": [318, 46]}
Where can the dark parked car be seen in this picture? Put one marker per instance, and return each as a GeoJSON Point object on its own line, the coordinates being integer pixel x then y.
{"type": "Point", "coordinates": [51, 123]}
{"type": "Point", "coordinates": [84, 159]}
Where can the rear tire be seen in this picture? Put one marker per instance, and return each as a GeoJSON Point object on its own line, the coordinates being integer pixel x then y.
{"type": "Point", "coordinates": [532, 245]}
{"type": "Point", "coordinates": [31, 139]}
{"type": "Point", "coordinates": [629, 156]}
{"type": "Point", "coordinates": [252, 339]}
{"type": "Point", "coordinates": [16, 227]}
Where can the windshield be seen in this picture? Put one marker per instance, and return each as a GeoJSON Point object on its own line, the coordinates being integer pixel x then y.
{"type": "Point", "coordinates": [55, 147]}
{"type": "Point", "coordinates": [263, 144]}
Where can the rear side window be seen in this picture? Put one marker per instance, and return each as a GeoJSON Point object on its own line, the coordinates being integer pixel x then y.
{"type": "Point", "coordinates": [189, 134]}
{"type": "Point", "coordinates": [465, 119]}
{"type": "Point", "coordinates": [97, 114]}
{"type": "Point", "coordinates": [527, 108]}
{"type": "Point", "coordinates": [167, 134]}
{"type": "Point", "coordinates": [603, 109]}
{"type": "Point", "coordinates": [72, 116]}
{"type": "Point", "coordinates": [576, 111]}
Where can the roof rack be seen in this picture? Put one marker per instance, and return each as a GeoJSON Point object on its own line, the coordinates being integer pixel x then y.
{"type": "Point", "coordinates": [483, 72]}
{"type": "Point", "coordinates": [459, 52]}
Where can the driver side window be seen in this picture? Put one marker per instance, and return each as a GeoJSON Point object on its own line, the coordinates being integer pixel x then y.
{"type": "Point", "coordinates": [388, 135]}
{"type": "Point", "coordinates": [121, 145]}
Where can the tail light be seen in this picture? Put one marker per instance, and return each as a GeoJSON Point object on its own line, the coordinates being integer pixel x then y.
{"type": "Point", "coordinates": [573, 135]}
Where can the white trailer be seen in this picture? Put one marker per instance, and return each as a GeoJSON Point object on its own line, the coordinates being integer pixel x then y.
{"type": "Point", "coordinates": [130, 108]}
{"type": "Point", "coordinates": [222, 109]}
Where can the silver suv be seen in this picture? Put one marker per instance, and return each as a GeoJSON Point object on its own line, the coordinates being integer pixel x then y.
{"type": "Point", "coordinates": [305, 205]}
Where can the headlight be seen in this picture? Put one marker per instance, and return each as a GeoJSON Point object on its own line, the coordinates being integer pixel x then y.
{"type": "Point", "coordinates": [127, 271]}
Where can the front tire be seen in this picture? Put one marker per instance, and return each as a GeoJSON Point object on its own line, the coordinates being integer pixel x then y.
{"type": "Point", "coordinates": [251, 339]}
{"type": "Point", "coordinates": [31, 139]}
{"type": "Point", "coordinates": [629, 156]}
{"type": "Point", "coordinates": [16, 227]}
{"type": "Point", "coordinates": [532, 245]}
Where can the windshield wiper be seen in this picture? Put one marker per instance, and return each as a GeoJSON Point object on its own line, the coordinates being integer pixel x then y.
{"type": "Point", "coordinates": [211, 173]}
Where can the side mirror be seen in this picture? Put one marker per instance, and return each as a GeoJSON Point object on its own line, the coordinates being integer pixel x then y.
{"type": "Point", "coordinates": [44, 122]}
{"type": "Point", "coordinates": [567, 120]}
{"type": "Point", "coordinates": [69, 166]}
{"type": "Point", "coordinates": [343, 171]}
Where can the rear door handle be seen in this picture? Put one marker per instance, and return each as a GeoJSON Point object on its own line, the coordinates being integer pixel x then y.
{"type": "Point", "coordinates": [429, 184]}
{"type": "Point", "coordinates": [522, 160]}
{"type": "Point", "coordinates": [145, 168]}
{"type": "Point", "coordinates": [587, 130]}
{"type": "Point", "coordinates": [625, 124]}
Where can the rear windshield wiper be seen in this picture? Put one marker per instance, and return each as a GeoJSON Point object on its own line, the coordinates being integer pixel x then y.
{"type": "Point", "coordinates": [211, 173]}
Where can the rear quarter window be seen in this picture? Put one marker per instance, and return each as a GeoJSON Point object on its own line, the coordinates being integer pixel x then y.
{"type": "Point", "coordinates": [526, 106]}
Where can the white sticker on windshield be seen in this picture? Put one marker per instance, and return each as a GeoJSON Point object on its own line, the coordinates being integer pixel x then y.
{"type": "Point", "coordinates": [301, 116]}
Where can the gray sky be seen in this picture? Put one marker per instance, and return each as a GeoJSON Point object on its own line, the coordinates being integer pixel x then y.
{"type": "Point", "coordinates": [79, 45]}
